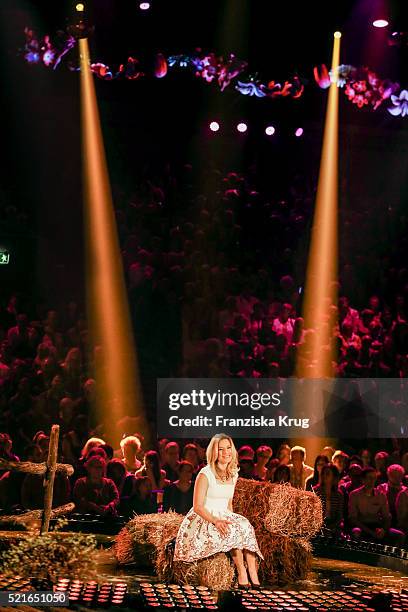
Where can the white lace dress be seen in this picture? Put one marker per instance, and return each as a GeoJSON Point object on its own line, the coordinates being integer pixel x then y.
{"type": "Point", "coordinates": [197, 538]}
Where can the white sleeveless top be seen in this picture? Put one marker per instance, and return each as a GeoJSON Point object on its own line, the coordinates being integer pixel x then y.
{"type": "Point", "coordinates": [218, 494]}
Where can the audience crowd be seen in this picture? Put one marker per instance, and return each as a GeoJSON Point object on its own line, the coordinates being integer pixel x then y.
{"type": "Point", "coordinates": [215, 281]}
{"type": "Point", "coordinates": [362, 495]}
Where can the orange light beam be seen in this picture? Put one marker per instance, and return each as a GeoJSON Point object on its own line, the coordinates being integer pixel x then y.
{"type": "Point", "coordinates": [322, 268]}
{"type": "Point", "coordinates": [107, 305]}
{"type": "Point", "coordinates": [321, 277]}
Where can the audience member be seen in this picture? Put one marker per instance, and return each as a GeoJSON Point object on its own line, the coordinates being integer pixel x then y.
{"type": "Point", "coordinates": [171, 463]}
{"type": "Point", "coordinates": [263, 455]}
{"type": "Point", "coordinates": [369, 513]}
{"type": "Point", "coordinates": [282, 474]}
{"type": "Point", "coordinates": [381, 464]}
{"type": "Point", "coordinates": [151, 469]}
{"type": "Point", "coordinates": [94, 493]}
{"type": "Point", "coordinates": [331, 496]}
{"type": "Point", "coordinates": [315, 479]}
{"type": "Point", "coordinates": [392, 488]}
{"type": "Point", "coordinates": [131, 447]}
{"type": "Point", "coordinates": [341, 460]}
{"type": "Point", "coordinates": [178, 496]}
{"type": "Point", "coordinates": [142, 501]}
{"type": "Point", "coordinates": [299, 471]}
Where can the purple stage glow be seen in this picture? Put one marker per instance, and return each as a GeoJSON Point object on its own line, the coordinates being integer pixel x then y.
{"type": "Point", "coordinates": [242, 127]}
{"type": "Point", "coordinates": [270, 130]}
{"type": "Point", "coordinates": [299, 132]}
{"type": "Point", "coordinates": [214, 126]}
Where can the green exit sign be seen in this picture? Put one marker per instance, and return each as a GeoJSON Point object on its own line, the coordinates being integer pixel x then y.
{"type": "Point", "coordinates": [4, 257]}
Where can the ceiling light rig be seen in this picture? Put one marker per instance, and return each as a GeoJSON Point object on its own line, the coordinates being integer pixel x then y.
{"type": "Point", "coordinates": [80, 28]}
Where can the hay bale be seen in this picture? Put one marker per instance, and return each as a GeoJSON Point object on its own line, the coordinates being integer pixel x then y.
{"type": "Point", "coordinates": [128, 550]}
{"type": "Point", "coordinates": [144, 535]}
{"type": "Point", "coordinates": [155, 529]}
{"type": "Point", "coordinates": [251, 499]}
{"type": "Point", "coordinates": [216, 572]}
{"type": "Point", "coordinates": [146, 540]}
{"type": "Point", "coordinates": [280, 508]}
{"type": "Point", "coordinates": [286, 559]}
{"type": "Point", "coordinates": [284, 519]}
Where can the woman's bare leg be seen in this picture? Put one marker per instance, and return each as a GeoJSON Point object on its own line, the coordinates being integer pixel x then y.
{"type": "Point", "coordinates": [238, 559]}
{"type": "Point", "coordinates": [250, 558]}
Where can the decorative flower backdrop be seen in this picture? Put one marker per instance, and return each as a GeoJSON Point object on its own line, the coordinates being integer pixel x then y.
{"type": "Point", "coordinates": [362, 86]}
{"type": "Point", "coordinates": [208, 66]}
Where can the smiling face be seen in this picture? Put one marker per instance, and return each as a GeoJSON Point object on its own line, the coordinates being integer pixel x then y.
{"type": "Point", "coordinates": [224, 451]}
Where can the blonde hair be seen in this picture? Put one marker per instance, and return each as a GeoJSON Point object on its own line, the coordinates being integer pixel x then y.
{"type": "Point", "coordinates": [131, 442]}
{"type": "Point", "coordinates": [90, 444]}
{"type": "Point", "coordinates": [299, 449]}
{"type": "Point", "coordinates": [212, 455]}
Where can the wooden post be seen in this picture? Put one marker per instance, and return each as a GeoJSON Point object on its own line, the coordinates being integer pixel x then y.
{"type": "Point", "coordinates": [49, 479]}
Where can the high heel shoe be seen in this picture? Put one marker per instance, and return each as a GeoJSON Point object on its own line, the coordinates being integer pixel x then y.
{"type": "Point", "coordinates": [255, 586]}
{"type": "Point", "coordinates": [243, 587]}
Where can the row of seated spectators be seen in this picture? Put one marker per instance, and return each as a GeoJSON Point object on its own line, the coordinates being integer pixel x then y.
{"type": "Point", "coordinates": [365, 496]}
{"type": "Point", "coordinates": [215, 288]}
{"type": "Point", "coordinates": [227, 266]}
{"type": "Point", "coordinates": [45, 365]}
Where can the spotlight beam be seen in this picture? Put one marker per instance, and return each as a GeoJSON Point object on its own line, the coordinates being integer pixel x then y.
{"type": "Point", "coordinates": [321, 277]}
{"type": "Point", "coordinates": [108, 312]}
{"type": "Point", "coordinates": [315, 361]}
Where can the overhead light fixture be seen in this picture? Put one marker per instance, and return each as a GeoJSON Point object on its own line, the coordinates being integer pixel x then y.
{"type": "Point", "coordinates": [380, 23]}
{"type": "Point", "coordinates": [242, 127]}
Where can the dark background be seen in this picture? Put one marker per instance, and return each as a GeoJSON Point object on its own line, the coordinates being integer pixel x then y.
{"type": "Point", "coordinates": [151, 121]}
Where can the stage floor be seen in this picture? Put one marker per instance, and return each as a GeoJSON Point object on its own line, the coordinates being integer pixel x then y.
{"type": "Point", "coordinates": [326, 574]}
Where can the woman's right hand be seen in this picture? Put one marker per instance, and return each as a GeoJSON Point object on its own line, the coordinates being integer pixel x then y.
{"type": "Point", "coordinates": [222, 526]}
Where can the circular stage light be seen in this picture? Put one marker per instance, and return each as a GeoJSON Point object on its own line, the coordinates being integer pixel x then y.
{"type": "Point", "coordinates": [380, 23]}
{"type": "Point", "coordinates": [242, 127]}
{"type": "Point", "coordinates": [337, 34]}
{"type": "Point", "coordinates": [144, 6]}
{"type": "Point", "coordinates": [79, 7]}
{"type": "Point", "coordinates": [270, 130]}
{"type": "Point", "coordinates": [299, 132]}
{"type": "Point", "coordinates": [214, 126]}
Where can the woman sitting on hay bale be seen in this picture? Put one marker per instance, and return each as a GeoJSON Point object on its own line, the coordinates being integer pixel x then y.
{"type": "Point", "coordinates": [211, 526]}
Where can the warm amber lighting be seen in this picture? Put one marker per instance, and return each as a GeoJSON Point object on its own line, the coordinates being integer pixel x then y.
{"type": "Point", "coordinates": [319, 307]}
{"type": "Point", "coordinates": [108, 312]}
{"type": "Point", "coordinates": [80, 8]}
{"type": "Point", "coordinates": [321, 285]}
